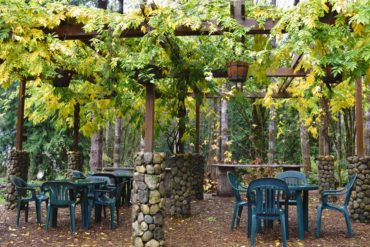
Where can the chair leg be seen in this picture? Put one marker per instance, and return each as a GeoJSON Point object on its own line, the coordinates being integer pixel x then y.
{"type": "Point", "coordinates": [254, 229]}
{"type": "Point", "coordinates": [234, 216]}
{"type": "Point", "coordinates": [240, 210]}
{"type": "Point", "coordinates": [19, 205]}
{"type": "Point", "coordinates": [249, 223]}
{"type": "Point", "coordinates": [112, 216]}
{"type": "Point", "coordinates": [283, 229]}
{"type": "Point", "coordinates": [38, 211]}
{"type": "Point", "coordinates": [117, 212]}
{"type": "Point", "coordinates": [348, 222]}
{"type": "Point", "coordinates": [318, 221]}
{"type": "Point", "coordinates": [48, 213]}
{"type": "Point", "coordinates": [26, 211]}
{"type": "Point", "coordinates": [72, 218]}
{"type": "Point", "coordinates": [104, 212]}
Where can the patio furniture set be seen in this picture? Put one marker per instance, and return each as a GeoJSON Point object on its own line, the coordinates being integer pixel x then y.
{"type": "Point", "coordinates": [268, 199]}
{"type": "Point", "coordinates": [97, 191]}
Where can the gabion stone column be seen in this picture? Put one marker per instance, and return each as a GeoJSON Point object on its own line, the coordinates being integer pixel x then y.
{"type": "Point", "coordinates": [148, 200]}
{"type": "Point", "coordinates": [19, 162]}
{"type": "Point", "coordinates": [326, 172]}
{"type": "Point", "coordinates": [197, 174]}
{"type": "Point", "coordinates": [181, 185]}
{"type": "Point", "coordinates": [360, 198]}
{"type": "Point", "coordinates": [75, 160]}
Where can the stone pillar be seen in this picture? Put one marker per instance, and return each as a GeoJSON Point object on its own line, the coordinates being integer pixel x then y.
{"type": "Point", "coordinates": [75, 161]}
{"type": "Point", "coordinates": [360, 199]}
{"type": "Point", "coordinates": [197, 175]}
{"type": "Point", "coordinates": [326, 172]}
{"type": "Point", "coordinates": [181, 185]}
{"type": "Point", "coordinates": [148, 200]}
{"type": "Point", "coordinates": [19, 162]}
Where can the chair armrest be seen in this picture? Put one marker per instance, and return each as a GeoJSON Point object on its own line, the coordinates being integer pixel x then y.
{"type": "Point", "coordinates": [333, 192]}
{"type": "Point", "coordinates": [34, 186]}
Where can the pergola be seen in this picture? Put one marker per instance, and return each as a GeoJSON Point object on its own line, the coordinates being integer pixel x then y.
{"type": "Point", "coordinates": [72, 31]}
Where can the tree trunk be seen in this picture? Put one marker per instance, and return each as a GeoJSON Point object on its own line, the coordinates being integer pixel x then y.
{"type": "Point", "coordinates": [349, 127]}
{"type": "Point", "coordinates": [96, 152]}
{"type": "Point", "coordinates": [305, 148]}
{"type": "Point", "coordinates": [272, 135]}
{"type": "Point", "coordinates": [120, 6]}
{"type": "Point", "coordinates": [324, 129]}
{"type": "Point", "coordinates": [108, 145]}
{"type": "Point", "coordinates": [223, 128]}
{"type": "Point", "coordinates": [102, 4]}
{"type": "Point", "coordinates": [117, 143]}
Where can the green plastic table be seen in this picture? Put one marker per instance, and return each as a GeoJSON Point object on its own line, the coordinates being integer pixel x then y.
{"type": "Point", "coordinates": [83, 186]}
{"type": "Point", "coordinates": [302, 206]}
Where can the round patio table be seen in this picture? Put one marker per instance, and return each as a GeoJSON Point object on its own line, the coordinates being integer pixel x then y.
{"type": "Point", "coordinates": [301, 196]}
{"type": "Point", "coordinates": [82, 185]}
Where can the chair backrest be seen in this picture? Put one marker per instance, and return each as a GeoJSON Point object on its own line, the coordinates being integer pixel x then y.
{"type": "Point", "coordinates": [348, 188]}
{"type": "Point", "coordinates": [113, 179]}
{"type": "Point", "coordinates": [77, 174]}
{"type": "Point", "coordinates": [293, 177]}
{"type": "Point", "coordinates": [17, 181]}
{"type": "Point", "coordinates": [268, 194]}
{"type": "Point", "coordinates": [60, 193]}
{"type": "Point", "coordinates": [234, 182]}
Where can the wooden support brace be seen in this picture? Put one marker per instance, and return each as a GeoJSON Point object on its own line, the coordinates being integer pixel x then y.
{"type": "Point", "coordinates": [149, 118]}
{"type": "Point", "coordinates": [20, 115]}
{"type": "Point", "coordinates": [76, 126]}
{"type": "Point", "coordinates": [359, 119]}
{"type": "Point", "coordinates": [197, 126]}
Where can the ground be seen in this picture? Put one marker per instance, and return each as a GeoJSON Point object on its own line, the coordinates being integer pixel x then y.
{"type": "Point", "coordinates": [209, 226]}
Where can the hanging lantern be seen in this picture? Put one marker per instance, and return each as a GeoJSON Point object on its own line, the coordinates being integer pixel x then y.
{"type": "Point", "coordinates": [237, 71]}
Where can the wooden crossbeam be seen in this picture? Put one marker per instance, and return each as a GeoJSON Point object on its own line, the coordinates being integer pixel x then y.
{"type": "Point", "coordinates": [257, 95]}
{"type": "Point", "coordinates": [279, 72]}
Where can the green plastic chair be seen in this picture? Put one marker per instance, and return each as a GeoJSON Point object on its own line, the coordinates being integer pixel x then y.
{"type": "Point", "coordinates": [268, 200]}
{"type": "Point", "coordinates": [26, 194]}
{"type": "Point", "coordinates": [62, 195]}
{"type": "Point", "coordinates": [293, 178]}
{"type": "Point", "coordinates": [239, 203]}
{"type": "Point", "coordinates": [325, 204]}
{"type": "Point", "coordinates": [109, 198]}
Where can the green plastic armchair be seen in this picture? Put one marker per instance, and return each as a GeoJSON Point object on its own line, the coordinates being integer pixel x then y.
{"type": "Point", "coordinates": [239, 203]}
{"type": "Point", "coordinates": [62, 195]}
{"type": "Point", "coordinates": [268, 200]}
{"type": "Point", "coordinates": [26, 194]}
{"type": "Point", "coordinates": [109, 198]}
{"type": "Point", "coordinates": [325, 204]}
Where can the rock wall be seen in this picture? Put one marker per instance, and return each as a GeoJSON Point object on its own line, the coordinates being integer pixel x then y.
{"type": "Point", "coordinates": [360, 199]}
{"type": "Point", "coordinates": [75, 161]}
{"type": "Point", "coordinates": [148, 200]}
{"type": "Point", "coordinates": [19, 162]}
{"type": "Point", "coordinates": [181, 185]}
{"type": "Point", "coordinates": [326, 172]}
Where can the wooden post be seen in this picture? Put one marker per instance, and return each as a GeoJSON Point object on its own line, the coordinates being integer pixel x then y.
{"type": "Point", "coordinates": [359, 119]}
{"type": "Point", "coordinates": [149, 118]}
{"type": "Point", "coordinates": [197, 126]}
{"type": "Point", "coordinates": [324, 148]}
{"type": "Point", "coordinates": [20, 120]}
{"type": "Point", "coordinates": [76, 127]}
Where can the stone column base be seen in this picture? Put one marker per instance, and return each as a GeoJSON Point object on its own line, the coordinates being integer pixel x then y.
{"type": "Point", "coordinates": [326, 172]}
{"type": "Point", "coordinates": [18, 164]}
{"type": "Point", "coordinates": [75, 161]}
{"type": "Point", "coordinates": [197, 163]}
{"type": "Point", "coordinates": [148, 200]}
{"type": "Point", "coordinates": [359, 205]}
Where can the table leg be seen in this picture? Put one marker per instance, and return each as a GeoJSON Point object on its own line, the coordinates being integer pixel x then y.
{"type": "Point", "coordinates": [305, 209]}
{"type": "Point", "coordinates": [300, 220]}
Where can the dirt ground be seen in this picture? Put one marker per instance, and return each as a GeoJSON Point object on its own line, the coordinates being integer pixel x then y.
{"type": "Point", "coordinates": [208, 226]}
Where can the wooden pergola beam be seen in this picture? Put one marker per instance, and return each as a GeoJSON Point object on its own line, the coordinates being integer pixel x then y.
{"type": "Point", "coordinates": [279, 72]}
{"type": "Point", "coordinates": [257, 95]}
{"type": "Point", "coordinates": [149, 117]}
